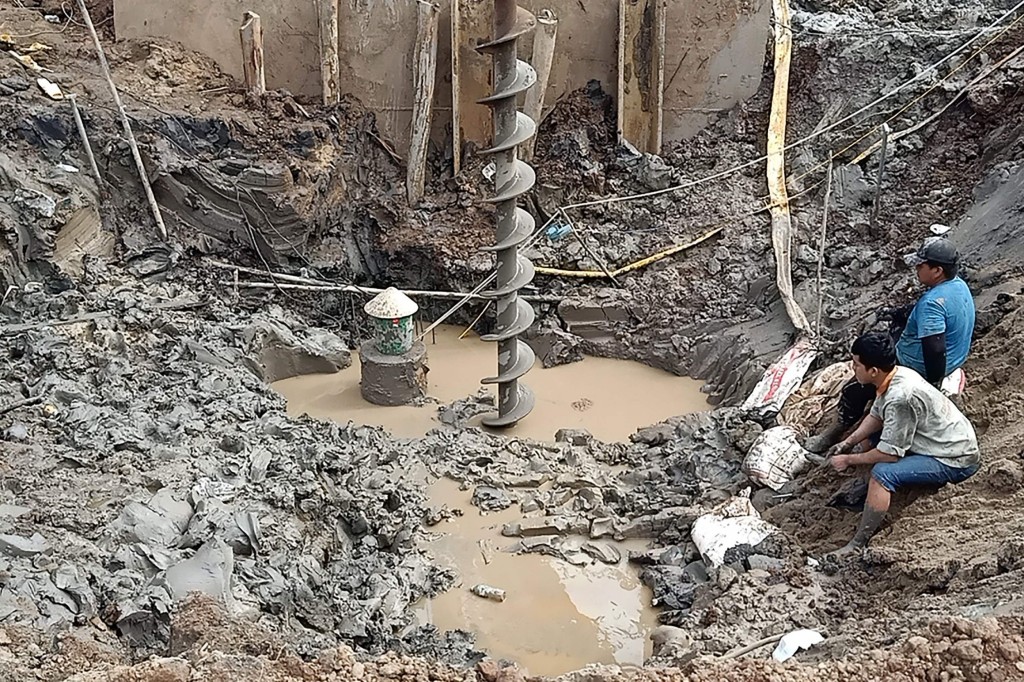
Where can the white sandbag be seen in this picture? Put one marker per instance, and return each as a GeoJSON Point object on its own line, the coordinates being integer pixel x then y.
{"type": "Point", "coordinates": [776, 457]}
{"type": "Point", "coordinates": [733, 523]}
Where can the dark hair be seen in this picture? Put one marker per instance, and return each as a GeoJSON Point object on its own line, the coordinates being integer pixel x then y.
{"type": "Point", "coordinates": [876, 349]}
{"type": "Point", "coordinates": [950, 270]}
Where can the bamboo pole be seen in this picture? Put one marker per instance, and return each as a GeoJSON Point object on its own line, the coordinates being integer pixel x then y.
{"type": "Point", "coordinates": [129, 135]}
{"type": "Point", "coordinates": [330, 64]}
{"type": "Point", "coordinates": [782, 221]}
{"type": "Point", "coordinates": [821, 245]}
{"type": "Point", "coordinates": [424, 79]}
{"type": "Point", "coordinates": [642, 263]}
{"type": "Point", "coordinates": [543, 58]}
{"type": "Point", "coordinates": [251, 33]}
{"type": "Point", "coordinates": [84, 136]}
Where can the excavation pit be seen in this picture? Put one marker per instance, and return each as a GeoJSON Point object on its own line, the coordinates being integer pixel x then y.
{"type": "Point", "coordinates": [609, 398]}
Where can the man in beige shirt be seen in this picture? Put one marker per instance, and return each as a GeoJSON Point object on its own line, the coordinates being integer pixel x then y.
{"type": "Point", "coordinates": [919, 436]}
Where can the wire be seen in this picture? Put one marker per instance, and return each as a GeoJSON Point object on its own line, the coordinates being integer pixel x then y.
{"type": "Point", "coordinates": [816, 134]}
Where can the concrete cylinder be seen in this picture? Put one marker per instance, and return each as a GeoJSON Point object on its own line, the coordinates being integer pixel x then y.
{"type": "Point", "coordinates": [392, 380]}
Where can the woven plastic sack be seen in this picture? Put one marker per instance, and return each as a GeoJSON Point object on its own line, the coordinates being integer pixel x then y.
{"type": "Point", "coordinates": [733, 523]}
{"type": "Point", "coordinates": [775, 458]}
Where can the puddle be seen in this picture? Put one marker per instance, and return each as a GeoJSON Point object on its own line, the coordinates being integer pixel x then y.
{"type": "Point", "coordinates": [556, 617]}
{"type": "Point", "coordinates": [610, 398]}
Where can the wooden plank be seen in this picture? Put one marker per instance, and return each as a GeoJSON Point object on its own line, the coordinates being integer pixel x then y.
{"type": "Point", "coordinates": [641, 92]}
{"type": "Point", "coordinates": [424, 81]}
{"type": "Point", "coordinates": [330, 66]}
{"type": "Point", "coordinates": [472, 75]}
{"type": "Point", "coordinates": [543, 58]}
{"type": "Point", "coordinates": [251, 33]}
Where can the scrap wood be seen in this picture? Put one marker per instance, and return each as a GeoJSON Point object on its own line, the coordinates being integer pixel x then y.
{"type": "Point", "coordinates": [632, 266]}
{"type": "Point", "coordinates": [782, 221]}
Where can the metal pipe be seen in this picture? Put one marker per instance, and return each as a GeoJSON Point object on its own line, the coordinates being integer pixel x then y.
{"type": "Point", "coordinates": [513, 178]}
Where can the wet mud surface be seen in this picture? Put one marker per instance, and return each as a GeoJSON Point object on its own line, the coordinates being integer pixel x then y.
{"type": "Point", "coordinates": [145, 457]}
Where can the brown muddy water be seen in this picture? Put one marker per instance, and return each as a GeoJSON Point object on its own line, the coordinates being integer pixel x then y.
{"type": "Point", "coordinates": [557, 617]}
{"type": "Point", "coordinates": [609, 398]}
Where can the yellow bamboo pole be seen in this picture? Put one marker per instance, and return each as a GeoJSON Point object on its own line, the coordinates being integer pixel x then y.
{"type": "Point", "coordinates": [782, 221]}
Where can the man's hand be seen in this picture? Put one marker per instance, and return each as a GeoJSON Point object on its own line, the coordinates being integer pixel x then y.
{"type": "Point", "coordinates": [841, 462]}
{"type": "Point", "coordinates": [843, 447]}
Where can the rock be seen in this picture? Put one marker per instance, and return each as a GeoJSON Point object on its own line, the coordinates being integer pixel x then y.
{"type": "Point", "coordinates": [18, 546]}
{"type": "Point", "coordinates": [654, 436]}
{"type": "Point", "coordinates": [697, 571]}
{"type": "Point", "coordinates": [602, 527]}
{"type": "Point", "coordinates": [208, 571]}
{"type": "Point", "coordinates": [603, 552]}
{"type": "Point", "coordinates": [765, 563]}
{"type": "Point", "coordinates": [280, 353]}
{"type": "Point", "coordinates": [554, 346]}
{"type": "Point", "coordinates": [669, 641]}
{"type": "Point", "coordinates": [489, 499]}
{"type": "Point", "coordinates": [575, 437]}
{"type": "Point", "coordinates": [549, 525]}
{"type": "Point", "coordinates": [1006, 476]}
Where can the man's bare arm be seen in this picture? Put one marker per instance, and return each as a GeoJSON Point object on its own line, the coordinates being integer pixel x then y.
{"type": "Point", "coordinates": [869, 426]}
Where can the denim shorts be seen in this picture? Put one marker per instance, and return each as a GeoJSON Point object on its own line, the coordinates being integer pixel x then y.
{"type": "Point", "coordinates": [919, 470]}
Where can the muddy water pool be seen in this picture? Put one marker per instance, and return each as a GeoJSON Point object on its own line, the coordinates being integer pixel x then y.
{"type": "Point", "coordinates": [610, 398]}
{"type": "Point", "coordinates": [557, 616]}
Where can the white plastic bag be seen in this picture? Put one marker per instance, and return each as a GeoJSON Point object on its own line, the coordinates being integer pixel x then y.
{"type": "Point", "coordinates": [775, 458]}
{"type": "Point", "coordinates": [794, 642]}
{"type": "Point", "coordinates": [733, 523]}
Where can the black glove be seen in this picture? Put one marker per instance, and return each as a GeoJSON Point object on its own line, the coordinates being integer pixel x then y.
{"type": "Point", "coordinates": [896, 316]}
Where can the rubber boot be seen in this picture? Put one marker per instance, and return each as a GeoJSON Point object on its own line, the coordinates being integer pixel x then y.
{"type": "Point", "coordinates": [827, 438]}
{"type": "Point", "coordinates": [870, 520]}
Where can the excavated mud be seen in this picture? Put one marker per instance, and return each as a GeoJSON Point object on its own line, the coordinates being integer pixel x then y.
{"type": "Point", "coordinates": [162, 517]}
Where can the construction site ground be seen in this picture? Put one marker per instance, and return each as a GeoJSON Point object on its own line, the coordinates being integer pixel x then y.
{"type": "Point", "coordinates": [142, 443]}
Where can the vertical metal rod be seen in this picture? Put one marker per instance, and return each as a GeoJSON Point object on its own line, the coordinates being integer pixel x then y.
{"type": "Point", "coordinates": [881, 176]}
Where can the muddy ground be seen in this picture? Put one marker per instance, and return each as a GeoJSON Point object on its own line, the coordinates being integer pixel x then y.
{"type": "Point", "coordinates": [145, 458]}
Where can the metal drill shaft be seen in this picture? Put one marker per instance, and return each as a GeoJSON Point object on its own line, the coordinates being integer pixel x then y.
{"type": "Point", "coordinates": [513, 178]}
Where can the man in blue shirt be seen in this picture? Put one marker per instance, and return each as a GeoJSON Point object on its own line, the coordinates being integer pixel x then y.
{"type": "Point", "coordinates": [935, 338]}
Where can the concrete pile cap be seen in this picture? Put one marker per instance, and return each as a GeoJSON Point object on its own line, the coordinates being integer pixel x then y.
{"type": "Point", "coordinates": [390, 304]}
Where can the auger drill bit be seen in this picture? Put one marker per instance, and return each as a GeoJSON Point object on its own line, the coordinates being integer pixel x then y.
{"type": "Point", "coordinates": [513, 178]}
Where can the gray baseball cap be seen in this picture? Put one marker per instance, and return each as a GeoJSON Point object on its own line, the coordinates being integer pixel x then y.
{"type": "Point", "coordinates": [934, 250]}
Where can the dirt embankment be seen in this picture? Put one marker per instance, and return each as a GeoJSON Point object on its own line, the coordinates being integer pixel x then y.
{"type": "Point", "coordinates": [145, 457]}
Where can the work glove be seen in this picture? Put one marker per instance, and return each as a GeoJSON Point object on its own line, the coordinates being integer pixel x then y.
{"type": "Point", "coordinates": [895, 315]}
